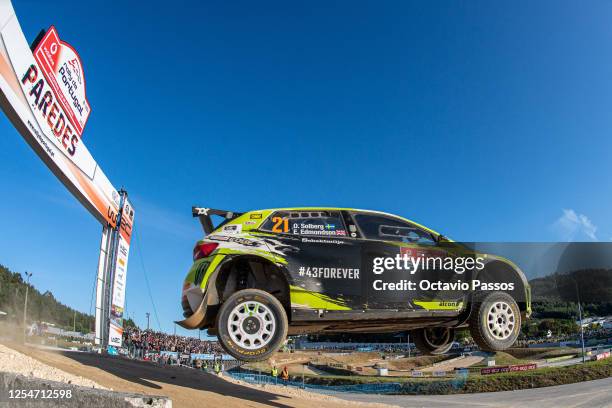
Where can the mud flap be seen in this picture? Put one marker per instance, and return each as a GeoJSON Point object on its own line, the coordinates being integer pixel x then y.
{"type": "Point", "coordinates": [196, 320]}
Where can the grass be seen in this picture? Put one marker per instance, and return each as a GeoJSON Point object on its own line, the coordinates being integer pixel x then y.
{"type": "Point", "coordinates": [537, 353]}
{"type": "Point", "coordinates": [543, 377]}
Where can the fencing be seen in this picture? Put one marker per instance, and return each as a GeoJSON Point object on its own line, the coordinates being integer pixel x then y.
{"type": "Point", "coordinates": [375, 388]}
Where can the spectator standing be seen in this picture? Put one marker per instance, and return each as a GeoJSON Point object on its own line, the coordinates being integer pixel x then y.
{"type": "Point", "coordinates": [285, 374]}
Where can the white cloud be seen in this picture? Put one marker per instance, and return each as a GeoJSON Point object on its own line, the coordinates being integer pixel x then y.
{"type": "Point", "coordinates": [573, 226]}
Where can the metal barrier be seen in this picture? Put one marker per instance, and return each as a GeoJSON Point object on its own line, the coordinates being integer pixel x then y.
{"type": "Point", "coordinates": [376, 388]}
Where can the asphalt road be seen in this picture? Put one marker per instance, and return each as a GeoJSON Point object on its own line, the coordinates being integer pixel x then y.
{"type": "Point", "coordinates": [591, 394]}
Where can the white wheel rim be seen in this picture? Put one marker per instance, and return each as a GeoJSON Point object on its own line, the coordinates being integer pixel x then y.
{"type": "Point", "coordinates": [251, 325]}
{"type": "Point", "coordinates": [501, 320]}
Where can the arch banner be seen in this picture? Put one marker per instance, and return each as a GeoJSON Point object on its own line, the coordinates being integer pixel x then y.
{"type": "Point", "coordinates": [43, 94]}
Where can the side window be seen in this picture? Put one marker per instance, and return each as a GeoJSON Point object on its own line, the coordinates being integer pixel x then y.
{"type": "Point", "coordinates": [385, 228]}
{"type": "Point", "coordinates": [305, 222]}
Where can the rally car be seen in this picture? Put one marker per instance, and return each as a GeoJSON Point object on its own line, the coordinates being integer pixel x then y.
{"type": "Point", "coordinates": [262, 275]}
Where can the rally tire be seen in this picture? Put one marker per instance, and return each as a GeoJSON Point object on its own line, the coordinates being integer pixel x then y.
{"type": "Point", "coordinates": [252, 324]}
{"type": "Point", "coordinates": [495, 321]}
{"type": "Point", "coordinates": [433, 341]}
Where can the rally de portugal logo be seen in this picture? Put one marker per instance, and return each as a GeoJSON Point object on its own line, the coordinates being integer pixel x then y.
{"type": "Point", "coordinates": [63, 70]}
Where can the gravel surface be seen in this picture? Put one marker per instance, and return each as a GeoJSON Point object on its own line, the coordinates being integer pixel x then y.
{"type": "Point", "coordinates": [187, 388]}
{"type": "Point", "coordinates": [14, 362]}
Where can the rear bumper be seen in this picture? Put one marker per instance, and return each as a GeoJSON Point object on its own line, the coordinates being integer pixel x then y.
{"type": "Point", "coordinates": [195, 295]}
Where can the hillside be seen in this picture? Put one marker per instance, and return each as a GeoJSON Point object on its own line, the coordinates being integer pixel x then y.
{"type": "Point", "coordinates": [41, 306]}
{"type": "Point", "coordinates": [556, 295]}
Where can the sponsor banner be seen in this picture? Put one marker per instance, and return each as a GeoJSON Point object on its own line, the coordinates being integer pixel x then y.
{"type": "Point", "coordinates": [115, 335]}
{"type": "Point", "coordinates": [507, 369]}
{"type": "Point", "coordinates": [198, 356]}
{"type": "Point", "coordinates": [123, 250]}
{"type": "Point", "coordinates": [120, 271]}
{"type": "Point", "coordinates": [44, 97]}
{"type": "Point", "coordinates": [127, 221]}
{"type": "Point", "coordinates": [63, 70]}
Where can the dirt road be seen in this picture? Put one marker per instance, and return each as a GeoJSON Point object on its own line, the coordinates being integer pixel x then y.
{"type": "Point", "coordinates": [454, 363]}
{"type": "Point", "coordinates": [187, 388]}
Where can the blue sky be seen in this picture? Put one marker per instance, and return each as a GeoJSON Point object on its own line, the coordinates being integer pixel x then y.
{"type": "Point", "coordinates": [485, 122]}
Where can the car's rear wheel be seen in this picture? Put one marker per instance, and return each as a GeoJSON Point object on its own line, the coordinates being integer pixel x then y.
{"type": "Point", "coordinates": [252, 324]}
{"type": "Point", "coordinates": [433, 340]}
{"type": "Point", "coordinates": [495, 321]}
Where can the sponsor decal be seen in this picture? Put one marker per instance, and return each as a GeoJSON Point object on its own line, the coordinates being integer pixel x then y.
{"type": "Point", "coordinates": [202, 211]}
{"type": "Point", "coordinates": [438, 304]}
{"type": "Point", "coordinates": [232, 229]}
{"type": "Point", "coordinates": [225, 238]}
{"type": "Point", "coordinates": [419, 252]}
{"type": "Point", "coordinates": [328, 273]}
{"type": "Point", "coordinates": [322, 241]}
{"type": "Point", "coordinates": [256, 216]}
{"type": "Point", "coordinates": [302, 228]}
{"type": "Point", "coordinates": [250, 223]}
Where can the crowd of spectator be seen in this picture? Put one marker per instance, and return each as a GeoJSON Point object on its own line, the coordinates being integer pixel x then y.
{"type": "Point", "coordinates": [154, 341]}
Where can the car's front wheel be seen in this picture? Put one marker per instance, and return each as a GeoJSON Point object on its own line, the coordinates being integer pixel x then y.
{"type": "Point", "coordinates": [495, 321]}
{"type": "Point", "coordinates": [433, 340]}
{"type": "Point", "coordinates": [252, 324]}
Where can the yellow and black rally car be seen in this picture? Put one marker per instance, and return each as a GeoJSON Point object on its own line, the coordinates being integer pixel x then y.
{"type": "Point", "coordinates": [262, 275]}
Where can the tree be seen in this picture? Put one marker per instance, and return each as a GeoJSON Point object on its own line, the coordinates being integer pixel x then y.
{"type": "Point", "coordinates": [41, 307]}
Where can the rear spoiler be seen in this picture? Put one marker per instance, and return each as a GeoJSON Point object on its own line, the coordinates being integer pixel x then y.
{"type": "Point", "coordinates": [204, 214]}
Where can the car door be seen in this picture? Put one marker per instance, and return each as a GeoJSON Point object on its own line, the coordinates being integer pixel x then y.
{"type": "Point", "coordinates": [322, 258]}
{"type": "Point", "coordinates": [402, 265]}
